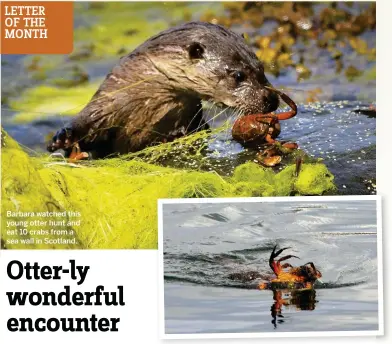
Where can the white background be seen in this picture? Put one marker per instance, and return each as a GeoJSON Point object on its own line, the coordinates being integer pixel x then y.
{"type": "Point", "coordinates": [135, 270]}
{"type": "Point", "coordinates": [138, 270]}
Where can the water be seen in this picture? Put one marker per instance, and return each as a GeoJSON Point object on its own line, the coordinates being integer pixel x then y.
{"type": "Point", "coordinates": [205, 244]}
{"type": "Point", "coordinates": [332, 131]}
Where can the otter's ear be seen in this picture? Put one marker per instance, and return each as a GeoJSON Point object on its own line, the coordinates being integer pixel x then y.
{"type": "Point", "coordinates": [196, 51]}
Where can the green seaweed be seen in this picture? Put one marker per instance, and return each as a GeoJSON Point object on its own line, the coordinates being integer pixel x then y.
{"type": "Point", "coordinates": [23, 190]}
{"type": "Point", "coordinates": [199, 185]}
{"type": "Point", "coordinates": [51, 101]}
{"type": "Point", "coordinates": [117, 197]}
{"type": "Point", "coordinates": [314, 179]}
{"type": "Point", "coordinates": [251, 172]}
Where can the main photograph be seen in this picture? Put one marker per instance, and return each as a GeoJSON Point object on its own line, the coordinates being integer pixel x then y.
{"type": "Point", "coordinates": [184, 100]}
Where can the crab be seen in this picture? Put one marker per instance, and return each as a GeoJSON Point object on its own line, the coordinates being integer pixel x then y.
{"type": "Point", "coordinates": [263, 129]}
{"type": "Point", "coordinates": [289, 277]}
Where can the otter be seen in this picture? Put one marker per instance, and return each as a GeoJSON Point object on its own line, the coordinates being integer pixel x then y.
{"type": "Point", "coordinates": [155, 93]}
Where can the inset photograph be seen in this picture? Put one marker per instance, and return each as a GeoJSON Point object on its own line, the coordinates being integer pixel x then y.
{"type": "Point", "coordinates": [271, 266]}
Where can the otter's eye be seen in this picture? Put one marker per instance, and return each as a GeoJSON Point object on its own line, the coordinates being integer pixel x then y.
{"type": "Point", "coordinates": [196, 51]}
{"type": "Point", "coordinates": [239, 76]}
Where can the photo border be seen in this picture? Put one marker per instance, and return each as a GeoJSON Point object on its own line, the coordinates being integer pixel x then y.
{"type": "Point", "coordinates": [161, 320]}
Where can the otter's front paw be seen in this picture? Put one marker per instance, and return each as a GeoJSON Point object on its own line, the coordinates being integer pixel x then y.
{"type": "Point", "coordinates": [63, 139]}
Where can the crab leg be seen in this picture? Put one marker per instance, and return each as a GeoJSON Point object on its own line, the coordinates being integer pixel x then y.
{"type": "Point", "coordinates": [312, 265]}
{"type": "Point", "coordinates": [269, 139]}
{"type": "Point", "coordinates": [298, 164]}
{"type": "Point", "coordinates": [275, 254]}
{"type": "Point", "coordinates": [272, 263]}
{"type": "Point", "coordinates": [289, 102]}
{"type": "Point", "coordinates": [287, 257]}
{"type": "Point", "coordinates": [283, 115]}
{"type": "Point", "coordinates": [275, 265]}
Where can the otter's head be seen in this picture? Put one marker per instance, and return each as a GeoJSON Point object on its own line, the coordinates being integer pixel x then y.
{"type": "Point", "coordinates": [213, 64]}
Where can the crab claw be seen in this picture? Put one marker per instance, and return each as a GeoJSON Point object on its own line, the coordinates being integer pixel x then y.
{"type": "Point", "coordinates": [275, 265]}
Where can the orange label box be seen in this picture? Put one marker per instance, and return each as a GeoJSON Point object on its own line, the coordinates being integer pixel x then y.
{"type": "Point", "coordinates": [39, 27]}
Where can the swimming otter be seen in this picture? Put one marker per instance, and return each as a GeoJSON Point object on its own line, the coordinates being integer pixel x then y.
{"type": "Point", "coordinates": [154, 94]}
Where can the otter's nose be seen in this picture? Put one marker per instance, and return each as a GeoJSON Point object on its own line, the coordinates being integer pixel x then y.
{"type": "Point", "coordinates": [270, 100]}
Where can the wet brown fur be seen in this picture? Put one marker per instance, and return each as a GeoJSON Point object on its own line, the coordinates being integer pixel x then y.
{"type": "Point", "coordinates": [154, 94]}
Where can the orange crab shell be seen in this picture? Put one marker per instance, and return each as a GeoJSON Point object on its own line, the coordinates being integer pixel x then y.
{"type": "Point", "coordinates": [251, 129]}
